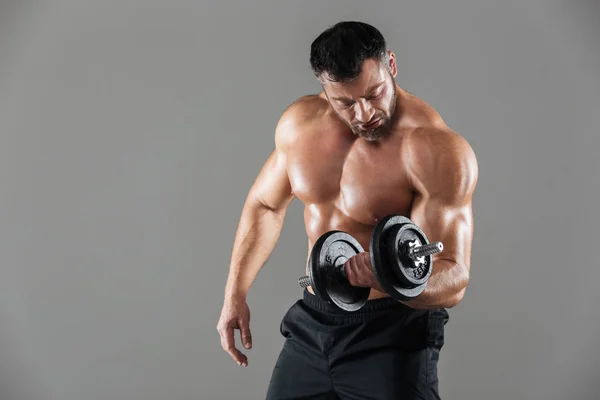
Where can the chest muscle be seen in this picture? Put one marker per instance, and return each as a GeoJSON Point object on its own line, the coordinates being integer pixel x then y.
{"type": "Point", "coordinates": [364, 185]}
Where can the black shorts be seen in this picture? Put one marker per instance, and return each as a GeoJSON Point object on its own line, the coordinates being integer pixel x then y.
{"type": "Point", "coordinates": [385, 350]}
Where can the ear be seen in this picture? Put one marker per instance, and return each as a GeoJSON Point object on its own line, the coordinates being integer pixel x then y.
{"type": "Point", "coordinates": [392, 65]}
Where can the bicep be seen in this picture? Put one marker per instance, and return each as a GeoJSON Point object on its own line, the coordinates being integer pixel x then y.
{"type": "Point", "coordinates": [272, 188]}
{"type": "Point", "coordinates": [449, 223]}
{"type": "Point", "coordinates": [442, 206]}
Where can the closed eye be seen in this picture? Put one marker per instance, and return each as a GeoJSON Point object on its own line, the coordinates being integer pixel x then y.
{"type": "Point", "coordinates": [376, 95]}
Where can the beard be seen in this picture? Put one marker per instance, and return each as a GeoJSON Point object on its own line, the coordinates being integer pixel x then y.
{"type": "Point", "coordinates": [374, 134]}
{"type": "Point", "coordinates": [385, 126]}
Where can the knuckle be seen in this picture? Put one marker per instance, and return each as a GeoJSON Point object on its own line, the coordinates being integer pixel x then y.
{"type": "Point", "coordinates": [363, 262]}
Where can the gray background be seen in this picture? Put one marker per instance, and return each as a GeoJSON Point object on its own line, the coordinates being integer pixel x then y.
{"type": "Point", "coordinates": [132, 130]}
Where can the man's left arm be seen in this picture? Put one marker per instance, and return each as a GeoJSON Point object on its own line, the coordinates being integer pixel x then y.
{"type": "Point", "coordinates": [443, 171]}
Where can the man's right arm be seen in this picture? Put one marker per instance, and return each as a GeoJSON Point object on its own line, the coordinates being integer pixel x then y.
{"type": "Point", "coordinates": [258, 231]}
{"type": "Point", "coordinates": [262, 217]}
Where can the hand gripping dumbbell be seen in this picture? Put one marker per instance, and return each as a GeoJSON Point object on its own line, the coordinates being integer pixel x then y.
{"type": "Point", "coordinates": [400, 257]}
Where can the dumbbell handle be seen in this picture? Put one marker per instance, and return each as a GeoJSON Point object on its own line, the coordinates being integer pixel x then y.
{"type": "Point", "coordinates": [425, 250]}
{"type": "Point", "coordinates": [304, 281]}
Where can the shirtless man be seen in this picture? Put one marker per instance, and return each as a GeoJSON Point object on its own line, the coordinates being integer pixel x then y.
{"type": "Point", "coordinates": [360, 150]}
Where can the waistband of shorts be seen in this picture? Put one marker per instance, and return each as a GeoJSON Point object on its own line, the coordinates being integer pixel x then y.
{"type": "Point", "coordinates": [371, 307]}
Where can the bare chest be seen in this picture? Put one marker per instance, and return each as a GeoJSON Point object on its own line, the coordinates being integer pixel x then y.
{"type": "Point", "coordinates": [364, 183]}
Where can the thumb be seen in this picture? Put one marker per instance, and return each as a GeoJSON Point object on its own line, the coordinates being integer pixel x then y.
{"type": "Point", "coordinates": [245, 333]}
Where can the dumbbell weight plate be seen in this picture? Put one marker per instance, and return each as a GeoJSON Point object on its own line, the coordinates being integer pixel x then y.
{"type": "Point", "coordinates": [396, 274]}
{"type": "Point", "coordinates": [400, 238]}
{"type": "Point", "coordinates": [331, 250]}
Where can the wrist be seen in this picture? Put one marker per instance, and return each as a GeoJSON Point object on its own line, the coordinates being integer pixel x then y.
{"type": "Point", "coordinates": [236, 292]}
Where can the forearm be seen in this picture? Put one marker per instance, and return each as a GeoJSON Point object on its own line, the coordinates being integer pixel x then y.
{"type": "Point", "coordinates": [445, 286]}
{"type": "Point", "coordinates": [258, 232]}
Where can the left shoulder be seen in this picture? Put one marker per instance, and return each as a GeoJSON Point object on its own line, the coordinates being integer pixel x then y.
{"type": "Point", "coordinates": [439, 141]}
{"type": "Point", "coordinates": [438, 157]}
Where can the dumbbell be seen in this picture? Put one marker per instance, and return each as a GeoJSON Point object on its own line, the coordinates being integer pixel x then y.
{"type": "Point", "coordinates": [401, 257]}
{"type": "Point", "coordinates": [326, 273]}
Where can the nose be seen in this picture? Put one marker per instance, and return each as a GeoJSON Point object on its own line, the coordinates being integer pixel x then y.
{"type": "Point", "coordinates": [364, 111]}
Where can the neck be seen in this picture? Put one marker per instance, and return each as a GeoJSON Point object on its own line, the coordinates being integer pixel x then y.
{"type": "Point", "coordinates": [399, 110]}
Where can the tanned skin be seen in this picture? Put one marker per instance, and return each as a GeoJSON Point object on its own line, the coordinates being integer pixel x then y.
{"type": "Point", "coordinates": [353, 154]}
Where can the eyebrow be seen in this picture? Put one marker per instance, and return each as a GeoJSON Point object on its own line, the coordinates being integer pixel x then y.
{"type": "Point", "coordinates": [371, 89]}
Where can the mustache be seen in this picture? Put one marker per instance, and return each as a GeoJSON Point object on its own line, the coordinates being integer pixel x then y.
{"type": "Point", "coordinates": [372, 121]}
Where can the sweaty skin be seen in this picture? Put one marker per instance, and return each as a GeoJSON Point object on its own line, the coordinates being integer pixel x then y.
{"type": "Point", "coordinates": [419, 168]}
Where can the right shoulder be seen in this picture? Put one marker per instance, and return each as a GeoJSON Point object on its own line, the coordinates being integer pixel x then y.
{"type": "Point", "coordinates": [297, 117]}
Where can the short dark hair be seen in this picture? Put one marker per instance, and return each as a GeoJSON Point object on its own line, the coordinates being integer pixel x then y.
{"type": "Point", "coordinates": [340, 51]}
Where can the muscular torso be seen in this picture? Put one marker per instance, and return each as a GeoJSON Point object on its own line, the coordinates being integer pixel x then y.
{"type": "Point", "coordinates": [346, 183]}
